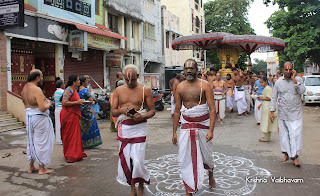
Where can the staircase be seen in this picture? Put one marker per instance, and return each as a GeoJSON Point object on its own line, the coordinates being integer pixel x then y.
{"type": "Point", "coordinates": [9, 123]}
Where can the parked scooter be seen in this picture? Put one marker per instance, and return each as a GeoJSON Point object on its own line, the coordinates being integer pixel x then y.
{"type": "Point", "coordinates": [158, 101]}
{"type": "Point", "coordinates": [104, 105]}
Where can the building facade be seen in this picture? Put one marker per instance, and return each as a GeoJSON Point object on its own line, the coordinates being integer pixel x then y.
{"type": "Point", "coordinates": [191, 15]}
{"type": "Point", "coordinates": [59, 38]}
{"type": "Point", "coordinates": [125, 17]}
{"type": "Point", "coordinates": [152, 44]}
{"type": "Point", "coordinates": [272, 63]}
{"type": "Point", "coordinates": [170, 31]}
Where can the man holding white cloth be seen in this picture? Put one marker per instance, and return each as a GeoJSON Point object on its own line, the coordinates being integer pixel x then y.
{"type": "Point", "coordinates": [38, 123]}
{"type": "Point", "coordinates": [287, 91]}
{"type": "Point", "coordinates": [195, 99]}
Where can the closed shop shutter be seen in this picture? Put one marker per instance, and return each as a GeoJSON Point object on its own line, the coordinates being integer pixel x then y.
{"type": "Point", "coordinates": [90, 64]}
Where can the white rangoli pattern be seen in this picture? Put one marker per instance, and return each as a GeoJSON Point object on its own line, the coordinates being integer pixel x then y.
{"type": "Point", "coordinates": [230, 173]}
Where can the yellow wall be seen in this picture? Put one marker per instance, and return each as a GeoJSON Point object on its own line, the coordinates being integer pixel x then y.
{"type": "Point", "coordinates": [16, 107]}
{"type": "Point", "coordinates": [99, 19]}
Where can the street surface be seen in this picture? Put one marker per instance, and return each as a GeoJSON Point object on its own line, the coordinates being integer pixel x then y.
{"type": "Point", "coordinates": [243, 165]}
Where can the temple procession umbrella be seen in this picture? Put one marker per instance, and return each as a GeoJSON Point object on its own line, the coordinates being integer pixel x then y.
{"type": "Point", "coordinates": [222, 40]}
{"type": "Point", "coordinates": [250, 43]}
{"type": "Point", "coordinates": [206, 41]}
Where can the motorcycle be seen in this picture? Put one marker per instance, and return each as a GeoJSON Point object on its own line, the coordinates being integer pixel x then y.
{"type": "Point", "coordinates": [104, 105]}
{"type": "Point", "coordinates": [158, 101]}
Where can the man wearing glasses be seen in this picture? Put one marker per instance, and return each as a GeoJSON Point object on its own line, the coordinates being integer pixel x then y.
{"type": "Point", "coordinates": [194, 98]}
{"type": "Point", "coordinates": [287, 92]}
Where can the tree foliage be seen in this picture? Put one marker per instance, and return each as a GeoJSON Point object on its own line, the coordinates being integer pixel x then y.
{"type": "Point", "coordinates": [259, 65]}
{"type": "Point", "coordinates": [227, 16]}
{"type": "Point", "coordinates": [297, 22]}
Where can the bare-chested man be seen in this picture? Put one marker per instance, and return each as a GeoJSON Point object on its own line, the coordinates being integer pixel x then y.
{"type": "Point", "coordinates": [173, 83]}
{"type": "Point", "coordinates": [220, 89]}
{"type": "Point", "coordinates": [239, 93]}
{"type": "Point", "coordinates": [132, 128]}
{"type": "Point", "coordinates": [247, 89]}
{"type": "Point", "coordinates": [194, 97]}
{"type": "Point", "coordinates": [230, 92]}
{"type": "Point", "coordinates": [210, 76]}
{"type": "Point", "coordinates": [38, 123]}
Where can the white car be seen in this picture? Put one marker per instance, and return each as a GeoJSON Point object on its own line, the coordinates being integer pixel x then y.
{"type": "Point", "coordinates": [312, 93]}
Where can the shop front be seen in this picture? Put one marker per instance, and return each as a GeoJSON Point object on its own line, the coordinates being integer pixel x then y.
{"type": "Point", "coordinates": [35, 47]}
{"type": "Point", "coordinates": [89, 52]}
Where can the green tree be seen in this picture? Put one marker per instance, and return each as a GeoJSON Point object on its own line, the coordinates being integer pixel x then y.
{"type": "Point", "coordinates": [227, 16]}
{"type": "Point", "coordinates": [297, 23]}
{"type": "Point", "coordinates": [259, 65]}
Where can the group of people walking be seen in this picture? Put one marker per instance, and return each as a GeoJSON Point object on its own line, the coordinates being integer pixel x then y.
{"type": "Point", "coordinates": [76, 127]}
{"type": "Point", "coordinates": [198, 103]}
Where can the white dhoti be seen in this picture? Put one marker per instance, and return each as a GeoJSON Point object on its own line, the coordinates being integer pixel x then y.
{"type": "Point", "coordinates": [57, 124]}
{"type": "Point", "coordinates": [230, 98]}
{"type": "Point", "coordinates": [131, 167]}
{"type": "Point", "coordinates": [248, 97]}
{"type": "Point", "coordinates": [220, 104]}
{"type": "Point", "coordinates": [240, 98]}
{"type": "Point", "coordinates": [257, 112]}
{"type": "Point", "coordinates": [40, 136]}
{"type": "Point", "coordinates": [173, 105]}
{"type": "Point", "coordinates": [195, 154]}
{"type": "Point", "coordinates": [290, 133]}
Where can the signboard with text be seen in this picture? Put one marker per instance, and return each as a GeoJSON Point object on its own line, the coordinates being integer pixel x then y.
{"type": "Point", "coordinates": [103, 42]}
{"type": "Point", "coordinates": [11, 13]}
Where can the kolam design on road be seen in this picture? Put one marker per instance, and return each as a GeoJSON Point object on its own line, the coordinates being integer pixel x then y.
{"type": "Point", "coordinates": [230, 173]}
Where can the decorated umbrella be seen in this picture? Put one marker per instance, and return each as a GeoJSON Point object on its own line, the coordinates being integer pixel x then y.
{"type": "Point", "coordinates": [207, 41]}
{"type": "Point", "coordinates": [250, 43]}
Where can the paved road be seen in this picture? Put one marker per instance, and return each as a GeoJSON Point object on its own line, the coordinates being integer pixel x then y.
{"type": "Point", "coordinates": [240, 160]}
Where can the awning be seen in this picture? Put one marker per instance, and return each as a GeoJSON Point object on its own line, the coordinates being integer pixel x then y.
{"type": "Point", "coordinates": [29, 7]}
{"type": "Point", "coordinates": [96, 30]}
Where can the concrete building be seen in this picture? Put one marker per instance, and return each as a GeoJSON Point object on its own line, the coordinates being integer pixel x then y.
{"type": "Point", "coordinates": [191, 15]}
{"type": "Point", "coordinates": [152, 44]}
{"type": "Point", "coordinates": [170, 31]}
{"type": "Point", "coordinates": [272, 63]}
{"type": "Point", "coordinates": [125, 17]}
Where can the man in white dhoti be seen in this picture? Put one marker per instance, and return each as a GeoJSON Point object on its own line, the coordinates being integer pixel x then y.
{"type": "Point", "coordinates": [230, 92]}
{"type": "Point", "coordinates": [258, 91]}
{"type": "Point", "coordinates": [239, 94]}
{"type": "Point", "coordinates": [38, 123]}
{"type": "Point", "coordinates": [58, 107]}
{"type": "Point", "coordinates": [132, 128]}
{"type": "Point", "coordinates": [195, 99]}
{"type": "Point", "coordinates": [247, 89]}
{"type": "Point", "coordinates": [287, 91]}
{"type": "Point", "coordinates": [219, 90]}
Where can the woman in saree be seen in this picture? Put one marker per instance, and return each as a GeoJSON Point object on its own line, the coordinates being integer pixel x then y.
{"type": "Point", "coordinates": [70, 122]}
{"type": "Point", "coordinates": [89, 127]}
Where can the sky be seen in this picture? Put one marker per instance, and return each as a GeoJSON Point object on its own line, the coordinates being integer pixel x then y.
{"type": "Point", "coordinates": [258, 14]}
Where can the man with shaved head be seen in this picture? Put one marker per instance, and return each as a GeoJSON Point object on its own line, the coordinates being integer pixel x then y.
{"type": "Point", "coordinates": [220, 89]}
{"type": "Point", "coordinates": [38, 123]}
{"type": "Point", "coordinates": [287, 91]}
{"type": "Point", "coordinates": [195, 105]}
{"type": "Point", "coordinates": [132, 128]}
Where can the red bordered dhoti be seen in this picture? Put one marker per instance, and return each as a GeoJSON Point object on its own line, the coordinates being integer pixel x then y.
{"type": "Point", "coordinates": [195, 154]}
